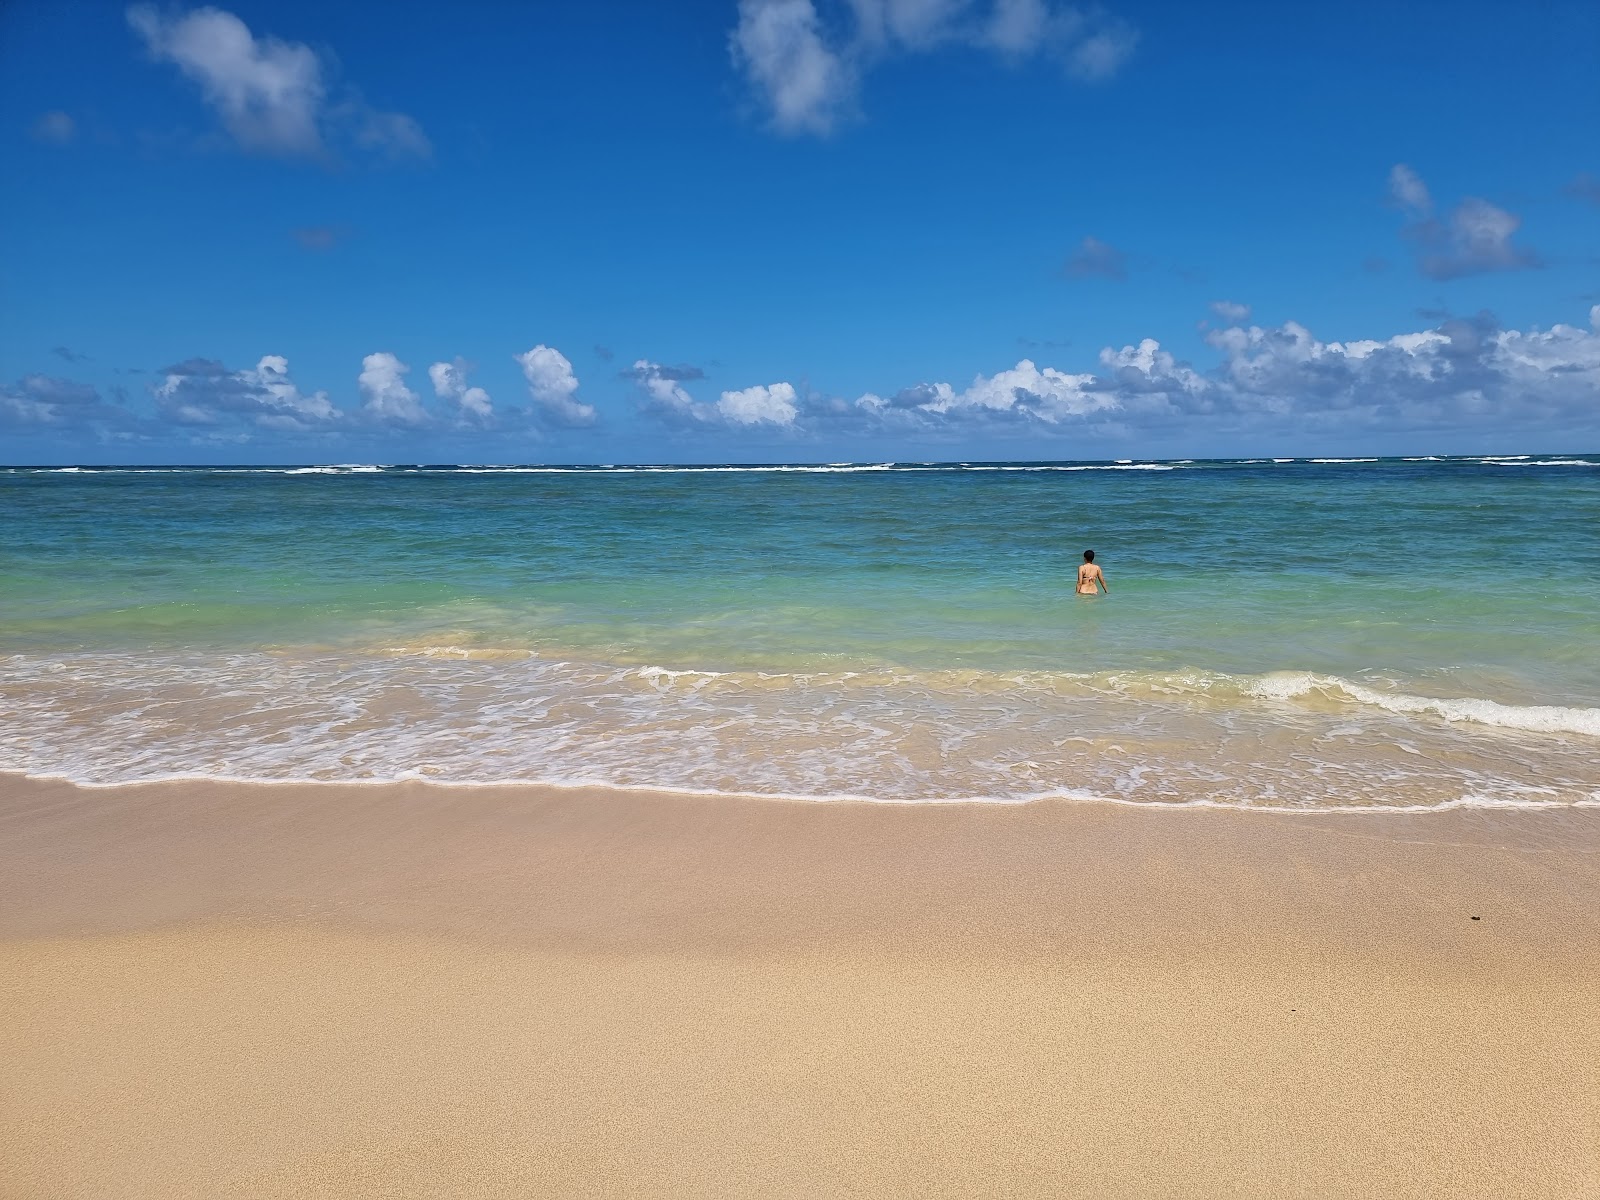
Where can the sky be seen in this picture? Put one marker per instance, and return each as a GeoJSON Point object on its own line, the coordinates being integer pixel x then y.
{"type": "Point", "coordinates": [796, 230]}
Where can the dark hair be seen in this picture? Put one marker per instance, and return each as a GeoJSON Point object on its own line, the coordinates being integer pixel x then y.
{"type": "Point", "coordinates": [1088, 556]}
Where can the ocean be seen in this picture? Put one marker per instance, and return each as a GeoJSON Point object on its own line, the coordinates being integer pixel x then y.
{"type": "Point", "coordinates": [1307, 634]}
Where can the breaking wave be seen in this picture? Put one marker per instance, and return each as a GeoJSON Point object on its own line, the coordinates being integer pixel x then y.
{"type": "Point", "coordinates": [1286, 741]}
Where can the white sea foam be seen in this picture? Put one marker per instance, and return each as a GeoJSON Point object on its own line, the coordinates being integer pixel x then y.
{"type": "Point", "coordinates": [1540, 718]}
{"type": "Point", "coordinates": [1045, 467]}
{"type": "Point", "coordinates": [341, 469]}
{"type": "Point", "coordinates": [668, 676]}
{"type": "Point", "coordinates": [336, 469]}
{"type": "Point", "coordinates": [1291, 741]}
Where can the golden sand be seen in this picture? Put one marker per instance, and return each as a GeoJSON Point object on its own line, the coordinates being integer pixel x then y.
{"type": "Point", "coordinates": [414, 991]}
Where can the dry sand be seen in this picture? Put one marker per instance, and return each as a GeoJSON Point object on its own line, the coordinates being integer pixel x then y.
{"type": "Point", "coordinates": [212, 990]}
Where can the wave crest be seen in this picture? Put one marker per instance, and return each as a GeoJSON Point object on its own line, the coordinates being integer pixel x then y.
{"type": "Point", "coordinates": [1533, 718]}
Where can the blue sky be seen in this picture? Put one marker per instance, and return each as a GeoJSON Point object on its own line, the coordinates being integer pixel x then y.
{"type": "Point", "coordinates": [796, 230]}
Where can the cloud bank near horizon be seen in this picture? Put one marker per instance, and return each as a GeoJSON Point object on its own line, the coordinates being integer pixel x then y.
{"type": "Point", "coordinates": [1463, 374]}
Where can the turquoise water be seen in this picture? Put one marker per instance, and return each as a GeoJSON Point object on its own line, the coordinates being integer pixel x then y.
{"type": "Point", "coordinates": [1295, 633]}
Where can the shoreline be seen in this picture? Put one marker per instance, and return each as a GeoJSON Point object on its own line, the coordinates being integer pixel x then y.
{"type": "Point", "coordinates": [283, 990]}
{"type": "Point", "coordinates": [251, 850]}
{"type": "Point", "coordinates": [26, 779]}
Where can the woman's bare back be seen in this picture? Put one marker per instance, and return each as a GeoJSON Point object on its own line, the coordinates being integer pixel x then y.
{"type": "Point", "coordinates": [1090, 579]}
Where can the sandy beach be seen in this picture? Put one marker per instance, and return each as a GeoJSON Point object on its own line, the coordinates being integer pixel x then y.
{"type": "Point", "coordinates": [544, 647]}
{"type": "Point", "coordinates": [410, 990]}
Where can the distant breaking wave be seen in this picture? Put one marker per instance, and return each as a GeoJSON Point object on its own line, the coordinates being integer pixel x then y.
{"type": "Point", "coordinates": [346, 469]}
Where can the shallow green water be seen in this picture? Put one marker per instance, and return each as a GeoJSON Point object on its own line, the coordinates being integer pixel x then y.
{"type": "Point", "coordinates": [1253, 585]}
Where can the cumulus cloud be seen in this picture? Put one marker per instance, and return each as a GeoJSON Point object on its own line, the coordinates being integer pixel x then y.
{"type": "Point", "coordinates": [806, 75]}
{"type": "Point", "coordinates": [473, 406]}
{"type": "Point", "coordinates": [1023, 392]}
{"type": "Point", "coordinates": [779, 46]}
{"type": "Point", "coordinates": [554, 388]}
{"type": "Point", "coordinates": [669, 401]}
{"type": "Point", "coordinates": [42, 404]}
{"type": "Point", "coordinates": [665, 395]}
{"type": "Point", "coordinates": [1476, 237]}
{"type": "Point", "coordinates": [55, 128]}
{"type": "Point", "coordinates": [1231, 311]}
{"type": "Point", "coordinates": [771, 404]}
{"type": "Point", "coordinates": [385, 398]}
{"type": "Point", "coordinates": [1096, 259]}
{"type": "Point", "coordinates": [202, 392]}
{"type": "Point", "coordinates": [1408, 192]}
{"type": "Point", "coordinates": [1461, 374]}
{"type": "Point", "coordinates": [272, 96]}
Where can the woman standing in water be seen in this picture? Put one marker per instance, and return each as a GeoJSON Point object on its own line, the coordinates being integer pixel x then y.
{"type": "Point", "coordinates": [1090, 578]}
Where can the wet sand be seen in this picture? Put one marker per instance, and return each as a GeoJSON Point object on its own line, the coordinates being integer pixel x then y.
{"type": "Point", "coordinates": [409, 990]}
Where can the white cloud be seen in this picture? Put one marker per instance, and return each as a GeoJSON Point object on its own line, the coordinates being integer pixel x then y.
{"type": "Point", "coordinates": [772, 404]}
{"type": "Point", "coordinates": [202, 391]}
{"type": "Point", "coordinates": [916, 24]}
{"type": "Point", "coordinates": [666, 397]}
{"type": "Point", "coordinates": [1462, 375]}
{"type": "Point", "coordinates": [554, 387]}
{"type": "Point", "coordinates": [780, 46]}
{"type": "Point", "coordinates": [267, 92]}
{"type": "Point", "coordinates": [807, 77]}
{"type": "Point", "coordinates": [1266, 381]}
{"type": "Point", "coordinates": [1027, 390]}
{"type": "Point", "coordinates": [384, 394]}
{"type": "Point", "coordinates": [44, 402]}
{"type": "Point", "coordinates": [1407, 191]}
{"type": "Point", "coordinates": [1018, 26]}
{"type": "Point", "coordinates": [1231, 311]}
{"type": "Point", "coordinates": [271, 95]}
{"type": "Point", "coordinates": [278, 391]}
{"type": "Point", "coordinates": [669, 401]}
{"type": "Point", "coordinates": [450, 383]}
{"type": "Point", "coordinates": [1474, 239]}
{"type": "Point", "coordinates": [1100, 54]}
